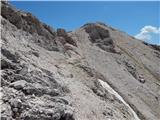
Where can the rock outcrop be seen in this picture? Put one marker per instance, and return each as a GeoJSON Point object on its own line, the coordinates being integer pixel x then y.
{"type": "Point", "coordinates": [93, 73]}
{"type": "Point", "coordinates": [100, 36]}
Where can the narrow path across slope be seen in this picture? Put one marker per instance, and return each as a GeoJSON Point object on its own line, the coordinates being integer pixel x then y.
{"type": "Point", "coordinates": [112, 91]}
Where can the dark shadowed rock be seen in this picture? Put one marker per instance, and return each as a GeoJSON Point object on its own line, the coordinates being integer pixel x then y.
{"type": "Point", "coordinates": [68, 39]}
{"type": "Point", "coordinates": [11, 56]}
{"type": "Point", "coordinates": [100, 37]}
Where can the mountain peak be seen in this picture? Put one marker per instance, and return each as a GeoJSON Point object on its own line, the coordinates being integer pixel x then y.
{"type": "Point", "coordinates": [93, 73]}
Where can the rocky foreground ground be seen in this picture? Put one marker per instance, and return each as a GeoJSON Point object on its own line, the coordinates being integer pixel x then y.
{"type": "Point", "coordinates": [93, 73]}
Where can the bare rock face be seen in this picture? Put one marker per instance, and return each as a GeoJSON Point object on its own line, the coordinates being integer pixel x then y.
{"type": "Point", "coordinates": [99, 36]}
{"type": "Point", "coordinates": [93, 73]}
{"type": "Point", "coordinates": [30, 24]}
{"type": "Point", "coordinates": [156, 47]}
{"type": "Point", "coordinates": [27, 22]}
{"type": "Point", "coordinates": [68, 39]}
{"type": "Point", "coordinates": [31, 95]}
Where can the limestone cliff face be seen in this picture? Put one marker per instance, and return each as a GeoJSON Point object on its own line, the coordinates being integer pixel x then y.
{"type": "Point", "coordinates": [93, 73]}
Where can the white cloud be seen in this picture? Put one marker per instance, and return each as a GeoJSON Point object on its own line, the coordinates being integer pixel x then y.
{"type": "Point", "coordinates": [147, 32]}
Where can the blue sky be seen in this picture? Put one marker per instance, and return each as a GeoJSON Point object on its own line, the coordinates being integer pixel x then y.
{"type": "Point", "coordinates": [130, 17]}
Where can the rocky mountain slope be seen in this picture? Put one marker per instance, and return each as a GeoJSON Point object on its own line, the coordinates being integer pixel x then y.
{"type": "Point", "coordinates": [93, 73]}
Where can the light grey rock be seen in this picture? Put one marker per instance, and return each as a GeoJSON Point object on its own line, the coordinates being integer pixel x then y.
{"type": "Point", "coordinates": [15, 103]}
{"type": "Point", "coordinates": [19, 84]}
{"type": "Point", "coordinates": [52, 75]}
